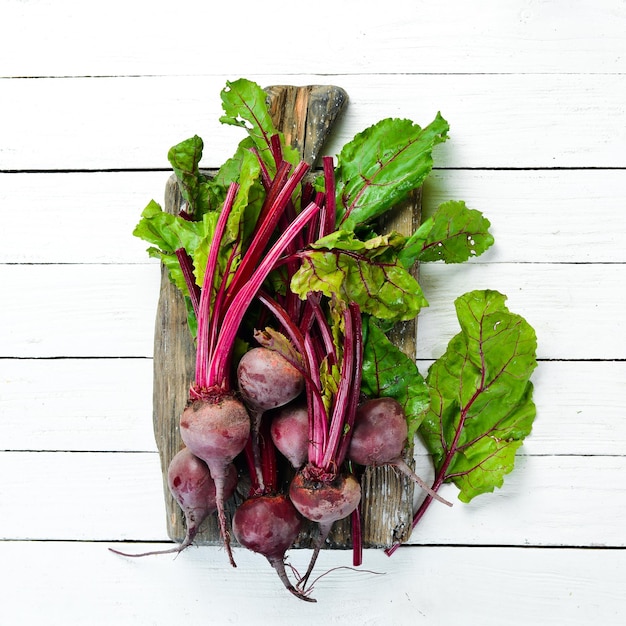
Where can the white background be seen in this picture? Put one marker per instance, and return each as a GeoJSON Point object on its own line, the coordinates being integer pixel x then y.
{"type": "Point", "coordinates": [92, 97]}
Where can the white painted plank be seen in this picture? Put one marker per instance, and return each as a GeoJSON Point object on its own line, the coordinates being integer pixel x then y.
{"type": "Point", "coordinates": [541, 216]}
{"type": "Point", "coordinates": [573, 308]}
{"type": "Point", "coordinates": [82, 496]}
{"type": "Point", "coordinates": [545, 501]}
{"type": "Point", "coordinates": [108, 310]}
{"type": "Point", "coordinates": [346, 37]}
{"type": "Point", "coordinates": [547, 587]}
{"type": "Point", "coordinates": [78, 310]}
{"type": "Point", "coordinates": [106, 405]}
{"type": "Point", "coordinates": [527, 120]}
{"type": "Point", "coordinates": [75, 218]}
{"type": "Point", "coordinates": [536, 216]}
{"type": "Point", "coordinates": [76, 404]}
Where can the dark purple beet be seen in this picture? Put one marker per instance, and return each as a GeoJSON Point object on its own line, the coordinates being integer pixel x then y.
{"type": "Point", "coordinates": [192, 487]}
{"type": "Point", "coordinates": [216, 429]}
{"type": "Point", "coordinates": [379, 437]}
{"type": "Point", "coordinates": [290, 433]}
{"type": "Point", "coordinates": [269, 524]}
{"type": "Point", "coordinates": [324, 502]}
{"type": "Point", "coordinates": [267, 380]}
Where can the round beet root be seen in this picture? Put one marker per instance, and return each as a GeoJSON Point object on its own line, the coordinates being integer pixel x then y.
{"type": "Point", "coordinates": [193, 488]}
{"type": "Point", "coordinates": [379, 437]}
{"type": "Point", "coordinates": [379, 433]}
{"type": "Point", "coordinates": [267, 380]}
{"type": "Point", "coordinates": [216, 429]}
{"type": "Point", "coordinates": [325, 502]}
{"type": "Point", "coordinates": [290, 433]}
{"type": "Point", "coordinates": [269, 524]}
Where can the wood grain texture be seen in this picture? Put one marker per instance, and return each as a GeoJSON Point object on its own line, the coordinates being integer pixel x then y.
{"type": "Point", "coordinates": [306, 115]}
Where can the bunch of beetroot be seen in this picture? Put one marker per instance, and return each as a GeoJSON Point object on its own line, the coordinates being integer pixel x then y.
{"type": "Point", "coordinates": [290, 291]}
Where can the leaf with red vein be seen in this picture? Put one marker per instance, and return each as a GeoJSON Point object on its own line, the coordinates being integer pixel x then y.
{"type": "Point", "coordinates": [382, 165]}
{"type": "Point", "coordinates": [481, 395]}
{"type": "Point", "coordinates": [365, 272]}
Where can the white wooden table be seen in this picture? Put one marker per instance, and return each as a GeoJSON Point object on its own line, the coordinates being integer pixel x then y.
{"type": "Point", "coordinates": [91, 99]}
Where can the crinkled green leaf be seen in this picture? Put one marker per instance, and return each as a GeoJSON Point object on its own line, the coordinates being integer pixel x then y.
{"type": "Point", "coordinates": [481, 395]}
{"type": "Point", "coordinates": [245, 105]}
{"type": "Point", "coordinates": [170, 232]}
{"type": "Point", "coordinates": [389, 372]}
{"type": "Point", "coordinates": [195, 187]}
{"type": "Point", "coordinates": [382, 165]}
{"type": "Point", "coordinates": [364, 272]}
{"type": "Point", "coordinates": [456, 234]}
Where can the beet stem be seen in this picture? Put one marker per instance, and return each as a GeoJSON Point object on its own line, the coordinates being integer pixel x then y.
{"type": "Point", "coordinates": [355, 387]}
{"type": "Point", "coordinates": [275, 202]}
{"type": "Point", "coordinates": [241, 302]}
{"type": "Point", "coordinates": [357, 537]}
{"type": "Point", "coordinates": [256, 415]}
{"type": "Point", "coordinates": [330, 214]}
{"type": "Point", "coordinates": [204, 312]}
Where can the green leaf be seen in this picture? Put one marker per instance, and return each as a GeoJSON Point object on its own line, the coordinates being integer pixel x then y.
{"type": "Point", "coordinates": [382, 164]}
{"type": "Point", "coordinates": [481, 395]}
{"type": "Point", "coordinates": [195, 187]}
{"type": "Point", "coordinates": [389, 372]}
{"type": "Point", "coordinates": [241, 222]}
{"type": "Point", "coordinates": [167, 233]}
{"type": "Point", "coordinates": [230, 170]}
{"type": "Point", "coordinates": [245, 105]}
{"type": "Point", "coordinates": [456, 234]}
{"type": "Point", "coordinates": [367, 273]}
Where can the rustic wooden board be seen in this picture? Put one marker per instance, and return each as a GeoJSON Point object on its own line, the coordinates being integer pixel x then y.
{"type": "Point", "coordinates": [305, 115]}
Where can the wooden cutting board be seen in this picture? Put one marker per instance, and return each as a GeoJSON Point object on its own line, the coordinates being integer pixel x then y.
{"type": "Point", "coordinates": [306, 116]}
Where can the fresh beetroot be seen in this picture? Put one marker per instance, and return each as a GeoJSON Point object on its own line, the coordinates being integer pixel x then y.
{"type": "Point", "coordinates": [194, 490]}
{"type": "Point", "coordinates": [216, 428]}
{"type": "Point", "coordinates": [323, 500]}
{"type": "Point", "coordinates": [266, 381]}
{"type": "Point", "coordinates": [379, 437]}
{"type": "Point", "coordinates": [192, 486]}
{"type": "Point", "coordinates": [289, 430]}
{"type": "Point", "coordinates": [269, 524]}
